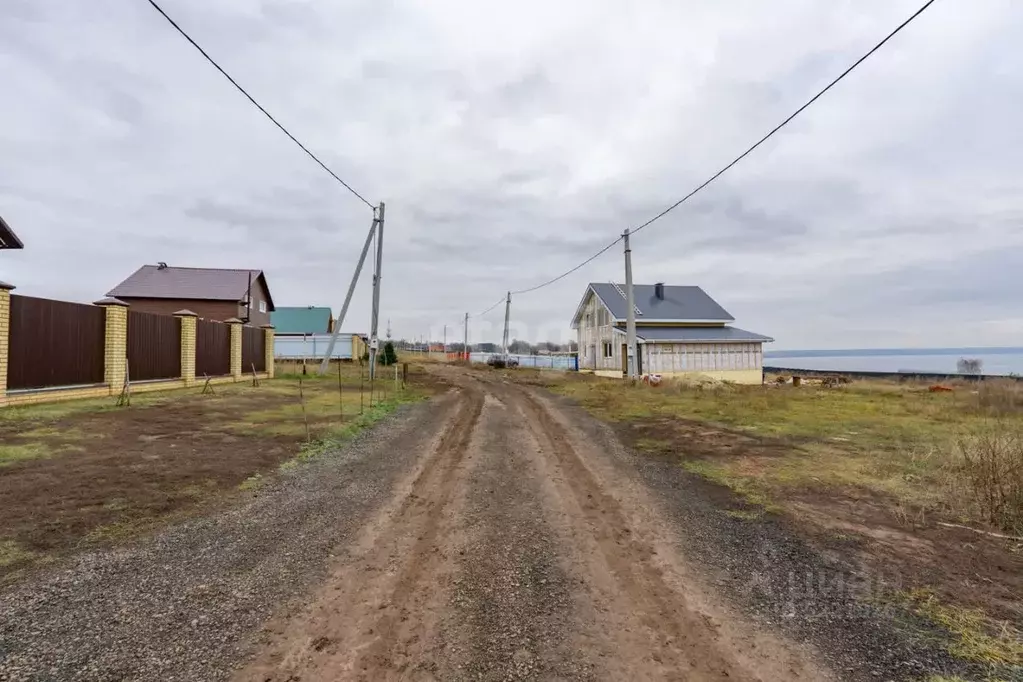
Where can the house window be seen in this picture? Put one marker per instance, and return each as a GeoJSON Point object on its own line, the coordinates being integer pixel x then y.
{"type": "Point", "coordinates": [262, 306]}
{"type": "Point", "coordinates": [608, 349]}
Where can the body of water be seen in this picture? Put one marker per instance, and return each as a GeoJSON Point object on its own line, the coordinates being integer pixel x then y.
{"type": "Point", "coordinates": [1000, 361]}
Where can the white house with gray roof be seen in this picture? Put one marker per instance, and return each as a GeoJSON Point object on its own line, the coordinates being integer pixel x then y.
{"type": "Point", "coordinates": [680, 330]}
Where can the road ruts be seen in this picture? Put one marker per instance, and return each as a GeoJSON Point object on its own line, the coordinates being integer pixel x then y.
{"type": "Point", "coordinates": [376, 616]}
{"type": "Point", "coordinates": [515, 549]}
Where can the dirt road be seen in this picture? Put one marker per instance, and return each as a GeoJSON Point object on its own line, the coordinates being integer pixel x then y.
{"type": "Point", "coordinates": [515, 550]}
{"type": "Point", "coordinates": [490, 534]}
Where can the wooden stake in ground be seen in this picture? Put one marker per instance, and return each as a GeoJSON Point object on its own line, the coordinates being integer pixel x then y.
{"type": "Point", "coordinates": [124, 400]}
{"type": "Point", "coordinates": [207, 387]}
{"type": "Point", "coordinates": [305, 417]}
{"type": "Point", "coordinates": [255, 379]}
{"type": "Point", "coordinates": [362, 391]}
{"type": "Point", "coordinates": [340, 397]}
{"type": "Point", "coordinates": [372, 387]}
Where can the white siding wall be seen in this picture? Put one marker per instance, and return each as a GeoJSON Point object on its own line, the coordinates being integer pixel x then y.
{"type": "Point", "coordinates": [701, 357]}
{"type": "Point", "coordinates": [595, 329]}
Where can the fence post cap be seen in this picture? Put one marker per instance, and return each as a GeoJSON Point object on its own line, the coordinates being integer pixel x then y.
{"type": "Point", "coordinates": [4, 286]}
{"type": "Point", "coordinates": [109, 300]}
{"type": "Point", "coordinates": [184, 313]}
{"type": "Point", "coordinates": [233, 320]}
{"type": "Point", "coordinates": [266, 326]}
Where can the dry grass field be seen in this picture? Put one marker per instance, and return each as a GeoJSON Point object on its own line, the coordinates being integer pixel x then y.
{"type": "Point", "coordinates": [924, 486]}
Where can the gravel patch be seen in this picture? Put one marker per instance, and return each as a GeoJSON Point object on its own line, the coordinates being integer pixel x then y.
{"type": "Point", "coordinates": [512, 599]}
{"type": "Point", "coordinates": [183, 604]}
{"type": "Point", "coordinates": [781, 580]}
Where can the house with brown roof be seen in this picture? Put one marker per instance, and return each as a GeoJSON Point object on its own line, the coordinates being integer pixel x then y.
{"type": "Point", "coordinates": [8, 240]}
{"type": "Point", "coordinates": [210, 293]}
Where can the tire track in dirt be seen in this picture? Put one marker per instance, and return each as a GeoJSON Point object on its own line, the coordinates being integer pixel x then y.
{"type": "Point", "coordinates": [376, 617]}
{"type": "Point", "coordinates": [647, 624]}
{"type": "Point", "coordinates": [512, 611]}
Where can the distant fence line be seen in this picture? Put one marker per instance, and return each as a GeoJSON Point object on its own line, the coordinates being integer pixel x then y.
{"type": "Point", "coordinates": [565, 363]}
{"type": "Point", "coordinates": [314, 346]}
{"type": "Point", "coordinates": [902, 376]}
{"type": "Point", "coordinates": [51, 350]}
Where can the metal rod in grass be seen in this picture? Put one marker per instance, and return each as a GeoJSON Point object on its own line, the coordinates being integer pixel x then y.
{"type": "Point", "coordinates": [362, 390]}
{"type": "Point", "coordinates": [305, 417]}
{"type": "Point", "coordinates": [340, 396]}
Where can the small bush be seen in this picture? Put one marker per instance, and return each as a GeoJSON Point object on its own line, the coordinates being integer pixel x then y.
{"type": "Point", "coordinates": [988, 472]}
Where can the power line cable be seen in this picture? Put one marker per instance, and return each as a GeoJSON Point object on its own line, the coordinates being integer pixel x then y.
{"type": "Point", "coordinates": [741, 156]}
{"type": "Point", "coordinates": [569, 272]}
{"type": "Point", "coordinates": [257, 104]}
{"type": "Point", "coordinates": [499, 302]}
{"type": "Point", "coordinates": [787, 120]}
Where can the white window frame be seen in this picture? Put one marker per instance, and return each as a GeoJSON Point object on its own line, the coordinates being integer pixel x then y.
{"type": "Point", "coordinates": [262, 307]}
{"type": "Point", "coordinates": [607, 349]}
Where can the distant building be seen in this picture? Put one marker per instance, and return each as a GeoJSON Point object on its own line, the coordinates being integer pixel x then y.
{"type": "Point", "coordinates": [302, 320]}
{"type": "Point", "coordinates": [210, 293]}
{"type": "Point", "coordinates": [680, 330]}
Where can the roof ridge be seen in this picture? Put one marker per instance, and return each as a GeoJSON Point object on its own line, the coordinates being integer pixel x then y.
{"type": "Point", "coordinates": [193, 267]}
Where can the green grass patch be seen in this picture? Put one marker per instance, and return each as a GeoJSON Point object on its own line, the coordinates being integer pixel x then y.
{"type": "Point", "coordinates": [745, 514]}
{"type": "Point", "coordinates": [9, 454]}
{"type": "Point", "coordinates": [974, 636]}
{"type": "Point", "coordinates": [12, 553]}
{"type": "Point", "coordinates": [751, 490]}
{"type": "Point", "coordinates": [254, 482]}
{"type": "Point", "coordinates": [336, 435]}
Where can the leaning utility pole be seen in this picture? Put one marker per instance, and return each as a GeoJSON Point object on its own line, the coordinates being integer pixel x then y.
{"type": "Point", "coordinates": [630, 315]}
{"type": "Point", "coordinates": [507, 317]}
{"type": "Point", "coordinates": [348, 299]}
{"type": "Point", "coordinates": [465, 345]}
{"type": "Point", "coordinates": [374, 342]}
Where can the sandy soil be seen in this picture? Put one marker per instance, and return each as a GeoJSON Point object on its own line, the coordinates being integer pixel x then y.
{"type": "Point", "coordinates": [514, 549]}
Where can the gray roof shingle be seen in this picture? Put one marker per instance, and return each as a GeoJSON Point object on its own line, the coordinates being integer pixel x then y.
{"type": "Point", "coordinates": [680, 303]}
{"type": "Point", "coordinates": [698, 334]}
{"type": "Point", "coordinates": [206, 284]}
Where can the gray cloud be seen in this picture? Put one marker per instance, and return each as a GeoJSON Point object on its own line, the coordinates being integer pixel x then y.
{"type": "Point", "coordinates": [512, 140]}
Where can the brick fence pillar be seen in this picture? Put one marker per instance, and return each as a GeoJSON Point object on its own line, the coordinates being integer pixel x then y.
{"type": "Point", "coordinates": [5, 331]}
{"type": "Point", "coordinates": [187, 318]}
{"type": "Point", "coordinates": [268, 349]}
{"type": "Point", "coordinates": [115, 347]}
{"type": "Point", "coordinates": [236, 347]}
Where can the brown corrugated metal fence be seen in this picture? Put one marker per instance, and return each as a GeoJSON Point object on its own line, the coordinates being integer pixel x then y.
{"type": "Point", "coordinates": [54, 343]}
{"type": "Point", "coordinates": [154, 346]}
{"type": "Point", "coordinates": [212, 348]}
{"type": "Point", "coordinates": [253, 349]}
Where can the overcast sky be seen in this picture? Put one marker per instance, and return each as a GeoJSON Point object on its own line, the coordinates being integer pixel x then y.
{"type": "Point", "coordinates": [511, 140]}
